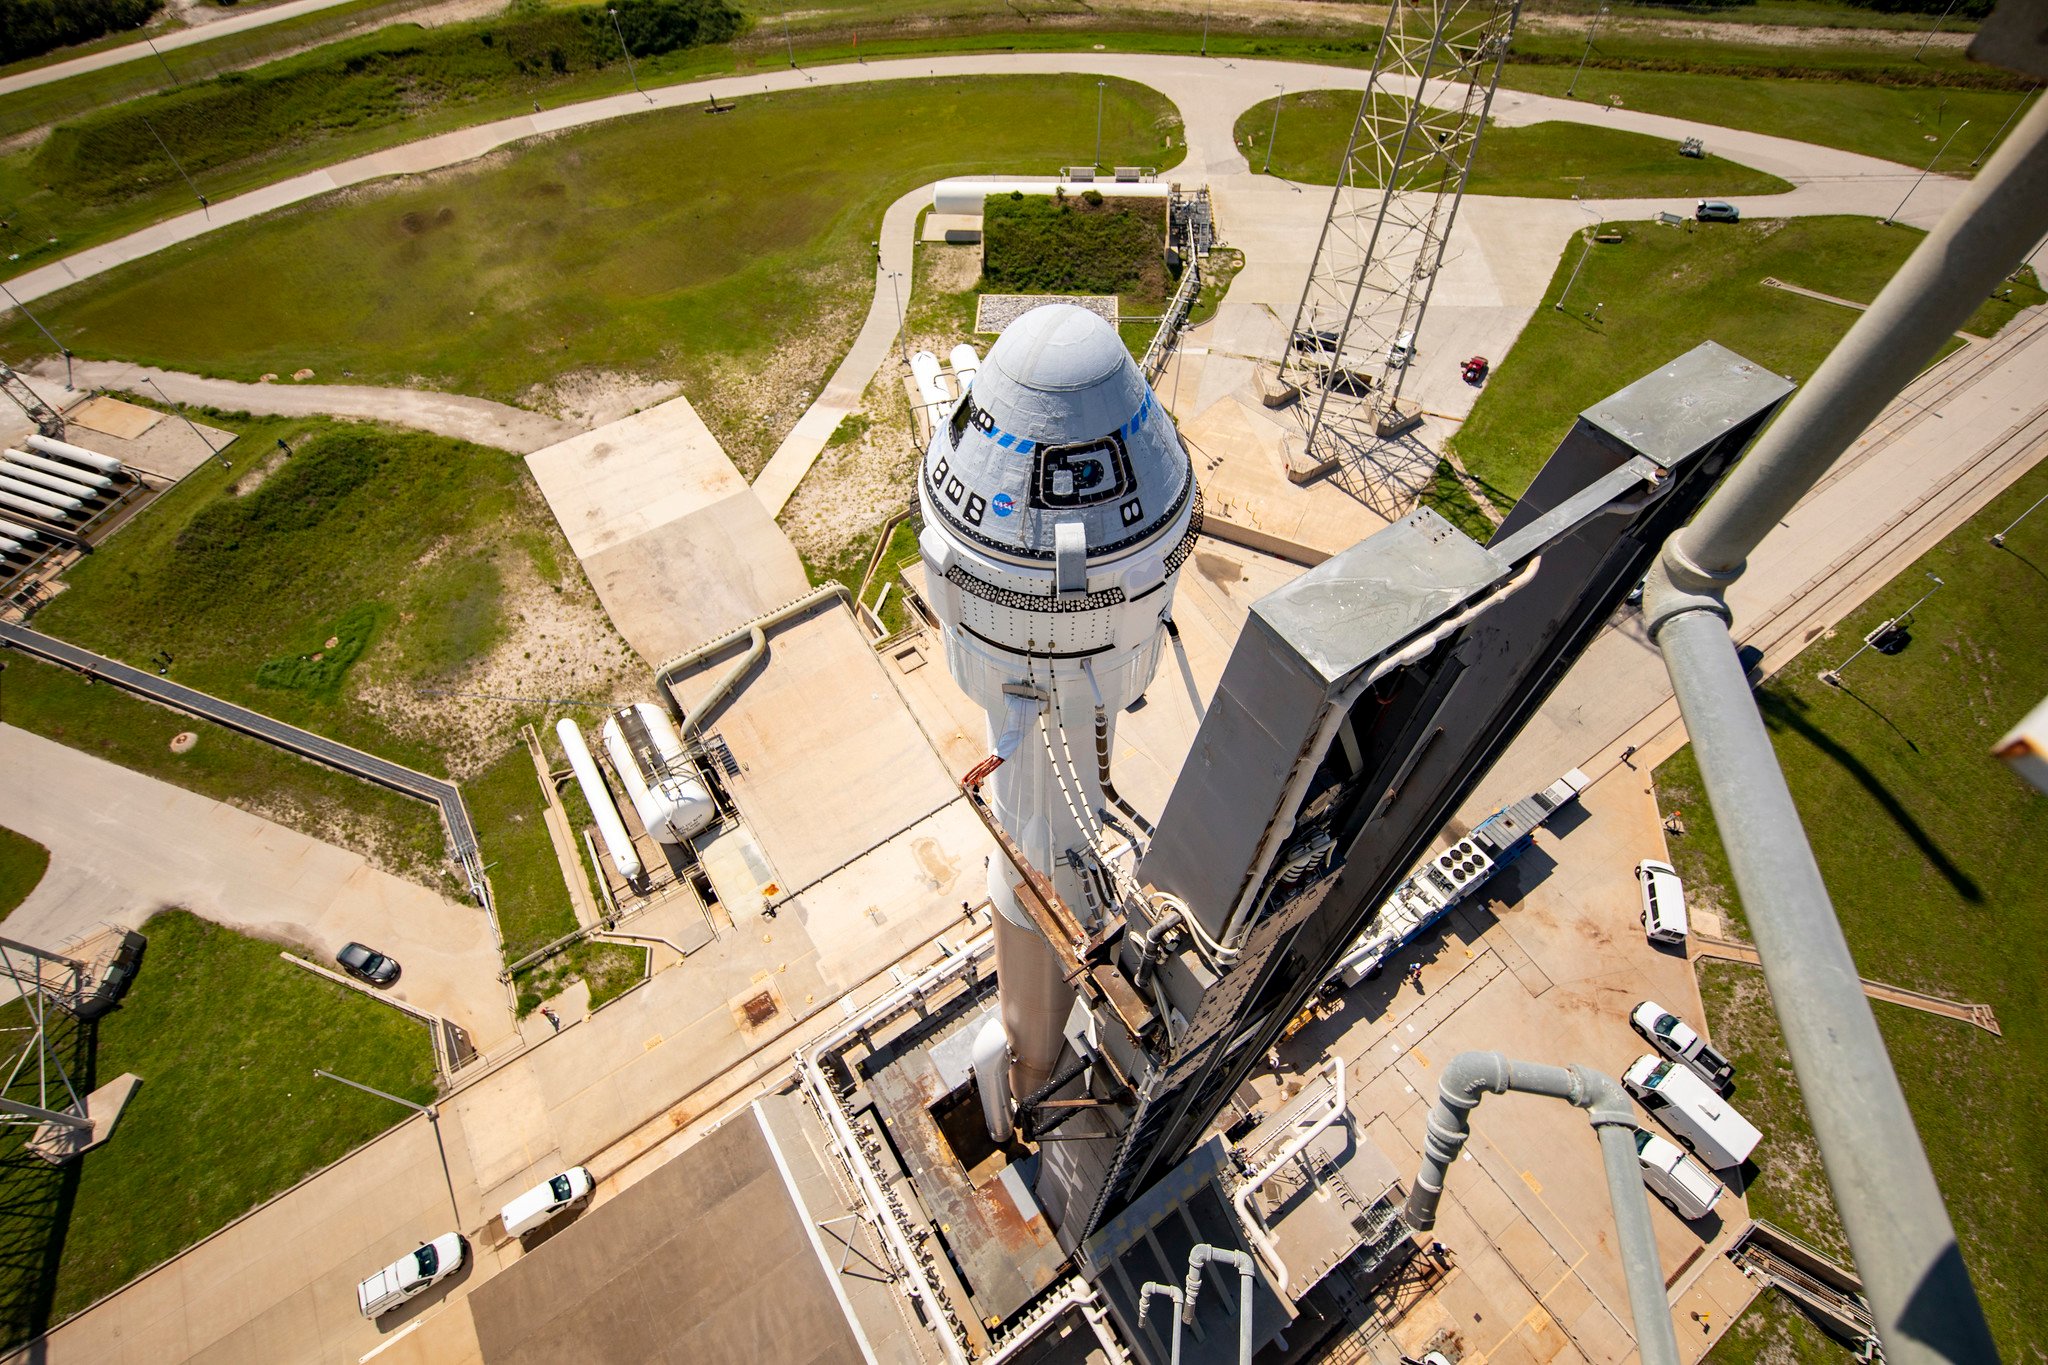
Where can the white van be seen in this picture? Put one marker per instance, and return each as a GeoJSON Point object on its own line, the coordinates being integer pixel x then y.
{"type": "Point", "coordinates": [1687, 1188]}
{"type": "Point", "coordinates": [1663, 913]}
{"type": "Point", "coordinates": [1688, 1106]}
{"type": "Point", "coordinates": [1402, 351]}
{"type": "Point", "coordinates": [412, 1274]}
{"type": "Point", "coordinates": [545, 1200]}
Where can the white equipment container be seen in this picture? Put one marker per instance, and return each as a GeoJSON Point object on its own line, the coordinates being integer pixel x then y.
{"type": "Point", "coordinates": [88, 477]}
{"type": "Point", "coordinates": [599, 798]}
{"type": "Point", "coordinates": [1687, 1188]}
{"type": "Point", "coordinates": [1696, 1115]}
{"type": "Point", "coordinates": [650, 760]}
{"type": "Point", "coordinates": [64, 450]}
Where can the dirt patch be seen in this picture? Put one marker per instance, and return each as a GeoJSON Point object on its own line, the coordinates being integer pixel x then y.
{"type": "Point", "coordinates": [951, 269]}
{"type": "Point", "coordinates": [592, 398]}
{"type": "Point", "coordinates": [750, 403]}
{"type": "Point", "coordinates": [252, 479]}
{"type": "Point", "coordinates": [1759, 35]}
{"type": "Point", "coordinates": [855, 486]}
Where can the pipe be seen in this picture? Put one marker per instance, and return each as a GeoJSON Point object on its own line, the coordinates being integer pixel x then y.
{"type": "Point", "coordinates": [1267, 1244]}
{"type": "Point", "coordinates": [599, 798]}
{"type": "Point", "coordinates": [1471, 1075]}
{"type": "Point", "coordinates": [755, 633]}
{"type": "Point", "coordinates": [1151, 1289]}
{"type": "Point", "coordinates": [1892, 1211]}
{"type": "Point", "coordinates": [1200, 1256]}
{"type": "Point", "coordinates": [64, 450]}
{"type": "Point", "coordinates": [62, 470]}
{"type": "Point", "coordinates": [14, 469]}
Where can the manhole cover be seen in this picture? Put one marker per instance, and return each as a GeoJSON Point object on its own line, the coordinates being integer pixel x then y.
{"type": "Point", "coordinates": [182, 741]}
{"type": "Point", "coordinates": [759, 1009]}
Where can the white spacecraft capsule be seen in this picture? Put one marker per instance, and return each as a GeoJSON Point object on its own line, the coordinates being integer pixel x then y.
{"type": "Point", "coordinates": [1059, 505]}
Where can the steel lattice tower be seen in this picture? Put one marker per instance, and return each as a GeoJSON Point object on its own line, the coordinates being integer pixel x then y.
{"type": "Point", "coordinates": [1390, 216]}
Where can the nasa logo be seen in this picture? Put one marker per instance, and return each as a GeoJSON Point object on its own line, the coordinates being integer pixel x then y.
{"type": "Point", "coordinates": [1003, 504]}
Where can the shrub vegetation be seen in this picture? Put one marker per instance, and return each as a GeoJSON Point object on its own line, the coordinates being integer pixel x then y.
{"type": "Point", "coordinates": [29, 28]}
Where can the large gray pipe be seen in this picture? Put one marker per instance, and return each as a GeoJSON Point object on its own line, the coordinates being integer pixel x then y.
{"type": "Point", "coordinates": [1467, 1078]}
{"type": "Point", "coordinates": [1898, 1227]}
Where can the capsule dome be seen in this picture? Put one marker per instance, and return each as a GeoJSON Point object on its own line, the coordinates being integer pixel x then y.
{"type": "Point", "coordinates": [1059, 426]}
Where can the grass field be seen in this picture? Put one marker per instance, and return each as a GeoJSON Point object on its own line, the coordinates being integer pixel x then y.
{"type": "Point", "coordinates": [608, 969]}
{"type": "Point", "coordinates": [580, 255]}
{"type": "Point", "coordinates": [1663, 291]}
{"type": "Point", "coordinates": [22, 864]}
{"type": "Point", "coordinates": [533, 904]}
{"type": "Point", "coordinates": [1930, 847]}
{"type": "Point", "coordinates": [225, 1035]}
{"type": "Point", "coordinates": [1535, 161]}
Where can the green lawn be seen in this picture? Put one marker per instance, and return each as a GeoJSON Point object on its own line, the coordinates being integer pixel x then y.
{"type": "Point", "coordinates": [533, 904]}
{"type": "Point", "coordinates": [609, 969]}
{"type": "Point", "coordinates": [396, 832]}
{"type": "Point", "coordinates": [1902, 123]}
{"type": "Point", "coordinates": [1450, 500]}
{"type": "Point", "coordinates": [1535, 161]}
{"type": "Point", "coordinates": [225, 1035]}
{"type": "Point", "coordinates": [1660, 292]}
{"type": "Point", "coordinates": [1931, 851]}
{"type": "Point", "coordinates": [22, 864]}
{"type": "Point", "coordinates": [1774, 1332]}
{"type": "Point", "coordinates": [580, 254]}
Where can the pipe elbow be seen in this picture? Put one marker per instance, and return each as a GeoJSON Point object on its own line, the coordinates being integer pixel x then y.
{"type": "Point", "coordinates": [1677, 584]}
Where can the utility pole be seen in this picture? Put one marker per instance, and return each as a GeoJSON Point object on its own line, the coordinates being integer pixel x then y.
{"type": "Point", "coordinates": [174, 161]}
{"type": "Point", "coordinates": [1274, 134]}
{"type": "Point", "coordinates": [902, 322]}
{"type": "Point", "coordinates": [433, 1121]}
{"type": "Point", "coordinates": [224, 463]}
{"type": "Point", "coordinates": [1584, 252]}
{"type": "Point", "coordinates": [1098, 122]}
{"type": "Point", "coordinates": [1590, 31]}
{"type": "Point", "coordinates": [1923, 175]}
{"type": "Point", "coordinates": [62, 349]}
{"type": "Point", "coordinates": [630, 70]}
{"type": "Point", "coordinates": [2021, 104]}
{"type": "Point", "coordinates": [1833, 676]}
{"type": "Point", "coordinates": [1932, 31]}
{"type": "Point", "coordinates": [787, 45]}
{"type": "Point", "coordinates": [1211, 4]}
{"type": "Point", "coordinates": [159, 58]}
{"type": "Point", "coordinates": [1999, 539]}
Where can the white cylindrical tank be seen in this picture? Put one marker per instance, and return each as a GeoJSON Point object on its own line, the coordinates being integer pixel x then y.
{"type": "Point", "coordinates": [1059, 505]}
{"type": "Point", "coordinates": [931, 384]}
{"type": "Point", "coordinates": [966, 196]}
{"type": "Point", "coordinates": [965, 363]}
{"type": "Point", "coordinates": [9, 546]}
{"type": "Point", "coordinates": [64, 450]}
{"type": "Point", "coordinates": [34, 509]}
{"type": "Point", "coordinates": [23, 474]}
{"type": "Point", "coordinates": [75, 473]}
{"type": "Point", "coordinates": [599, 798]}
{"type": "Point", "coordinates": [670, 798]}
{"type": "Point", "coordinates": [14, 530]}
{"type": "Point", "coordinates": [62, 502]}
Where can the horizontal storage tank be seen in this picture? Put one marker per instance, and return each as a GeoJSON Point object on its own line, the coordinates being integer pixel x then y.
{"type": "Point", "coordinates": [931, 384]}
{"type": "Point", "coordinates": [15, 502]}
{"type": "Point", "coordinates": [965, 196]}
{"type": "Point", "coordinates": [21, 473]}
{"type": "Point", "coordinates": [599, 798]}
{"type": "Point", "coordinates": [14, 530]}
{"type": "Point", "coordinates": [64, 450]}
{"type": "Point", "coordinates": [965, 365]}
{"type": "Point", "coordinates": [60, 502]}
{"type": "Point", "coordinates": [76, 473]}
{"type": "Point", "coordinates": [649, 758]}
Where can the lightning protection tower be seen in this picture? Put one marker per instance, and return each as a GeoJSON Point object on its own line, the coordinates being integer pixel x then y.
{"type": "Point", "coordinates": [38, 1090]}
{"type": "Point", "coordinates": [1382, 243]}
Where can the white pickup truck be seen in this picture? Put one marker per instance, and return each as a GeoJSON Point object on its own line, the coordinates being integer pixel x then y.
{"type": "Point", "coordinates": [545, 1200]}
{"type": "Point", "coordinates": [1676, 1039]}
{"type": "Point", "coordinates": [412, 1274]}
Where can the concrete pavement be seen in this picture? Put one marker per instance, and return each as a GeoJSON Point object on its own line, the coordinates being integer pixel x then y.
{"type": "Point", "coordinates": [123, 845]}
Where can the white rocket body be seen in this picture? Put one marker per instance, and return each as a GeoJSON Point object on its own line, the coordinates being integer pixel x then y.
{"type": "Point", "coordinates": [1058, 507]}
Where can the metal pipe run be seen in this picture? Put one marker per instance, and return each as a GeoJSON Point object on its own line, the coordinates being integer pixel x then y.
{"type": "Point", "coordinates": [1310, 1129]}
{"type": "Point", "coordinates": [1467, 1078]}
{"type": "Point", "coordinates": [755, 633]}
{"type": "Point", "coordinates": [1898, 1227]}
{"type": "Point", "coordinates": [1154, 1289]}
{"type": "Point", "coordinates": [1199, 1257]}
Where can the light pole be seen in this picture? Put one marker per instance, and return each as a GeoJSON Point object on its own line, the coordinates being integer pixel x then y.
{"type": "Point", "coordinates": [1274, 132]}
{"type": "Point", "coordinates": [1590, 31]}
{"type": "Point", "coordinates": [433, 1121]}
{"type": "Point", "coordinates": [1936, 29]}
{"type": "Point", "coordinates": [1584, 252]}
{"type": "Point", "coordinates": [2021, 104]}
{"type": "Point", "coordinates": [1205, 25]}
{"type": "Point", "coordinates": [174, 161]}
{"type": "Point", "coordinates": [1833, 676]}
{"type": "Point", "coordinates": [787, 45]}
{"type": "Point", "coordinates": [902, 322]}
{"type": "Point", "coordinates": [62, 349]}
{"type": "Point", "coordinates": [1999, 539]}
{"type": "Point", "coordinates": [631, 71]}
{"type": "Point", "coordinates": [1098, 122]}
{"type": "Point", "coordinates": [159, 58]}
{"type": "Point", "coordinates": [1923, 175]}
{"type": "Point", "coordinates": [224, 462]}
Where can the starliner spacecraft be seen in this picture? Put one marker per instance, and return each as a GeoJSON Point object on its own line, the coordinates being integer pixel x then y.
{"type": "Point", "coordinates": [1059, 505]}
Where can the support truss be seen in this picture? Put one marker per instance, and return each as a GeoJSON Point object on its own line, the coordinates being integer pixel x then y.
{"type": "Point", "coordinates": [38, 1090]}
{"type": "Point", "coordinates": [1382, 243]}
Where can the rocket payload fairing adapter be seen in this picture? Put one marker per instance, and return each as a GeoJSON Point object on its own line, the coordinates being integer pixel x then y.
{"type": "Point", "coordinates": [1058, 505]}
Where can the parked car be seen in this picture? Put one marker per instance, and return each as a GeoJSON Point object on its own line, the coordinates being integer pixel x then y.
{"type": "Point", "coordinates": [1717, 211]}
{"type": "Point", "coordinates": [1684, 1186]}
{"type": "Point", "coordinates": [114, 980]}
{"type": "Point", "coordinates": [1676, 1039]}
{"type": "Point", "coordinates": [412, 1274]}
{"type": "Point", "coordinates": [1663, 913]}
{"type": "Point", "coordinates": [545, 1200]}
{"type": "Point", "coordinates": [1702, 1121]}
{"type": "Point", "coordinates": [367, 964]}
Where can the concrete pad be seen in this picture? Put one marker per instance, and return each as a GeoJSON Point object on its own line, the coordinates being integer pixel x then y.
{"type": "Point", "coordinates": [123, 845]}
{"type": "Point", "coordinates": [57, 1143]}
{"type": "Point", "coordinates": [831, 763]}
{"type": "Point", "coordinates": [112, 417]}
{"type": "Point", "coordinates": [630, 476]}
{"type": "Point", "coordinates": [952, 227]}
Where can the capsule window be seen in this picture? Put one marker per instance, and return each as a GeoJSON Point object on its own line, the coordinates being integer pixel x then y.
{"type": "Point", "coordinates": [1083, 474]}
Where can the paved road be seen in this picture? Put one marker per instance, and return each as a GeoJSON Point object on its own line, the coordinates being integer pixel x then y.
{"type": "Point", "coordinates": [138, 51]}
{"type": "Point", "coordinates": [369, 767]}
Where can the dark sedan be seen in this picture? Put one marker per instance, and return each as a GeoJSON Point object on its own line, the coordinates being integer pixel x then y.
{"type": "Point", "coordinates": [366, 964]}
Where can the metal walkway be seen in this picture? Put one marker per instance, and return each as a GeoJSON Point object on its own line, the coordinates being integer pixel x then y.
{"type": "Point", "coordinates": [306, 744]}
{"type": "Point", "coordinates": [1968, 1012]}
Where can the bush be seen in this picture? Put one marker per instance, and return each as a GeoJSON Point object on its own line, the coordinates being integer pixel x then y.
{"type": "Point", "coordinates": [321, 668]}
{"type": "Point", "coordinates": [1041, 245]}
{"type": "Point", "coordinates": [29, 28]}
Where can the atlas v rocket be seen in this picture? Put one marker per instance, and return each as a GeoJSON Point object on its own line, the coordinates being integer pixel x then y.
{"type": "Point", "coordinates": [1058, 506]}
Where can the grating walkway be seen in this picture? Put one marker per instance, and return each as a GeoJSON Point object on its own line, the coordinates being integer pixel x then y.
{"type": "Point", "coordinates": [1967, 1011]}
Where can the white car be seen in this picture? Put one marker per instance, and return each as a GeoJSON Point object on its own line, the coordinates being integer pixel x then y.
{"type": "Point", "coordinates": [1687, 1188]}
{"type": "Point", "coordinates": [1663, 913]}
{"type": "Point", "coordinates": [1676, 1039]}
{"type": "Point", "coordinates": [412, 1274]}
{"type": "Point", "coordinates": [1698, 1117]}
{"type": "Point", "coordinates": [545, 1200]}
